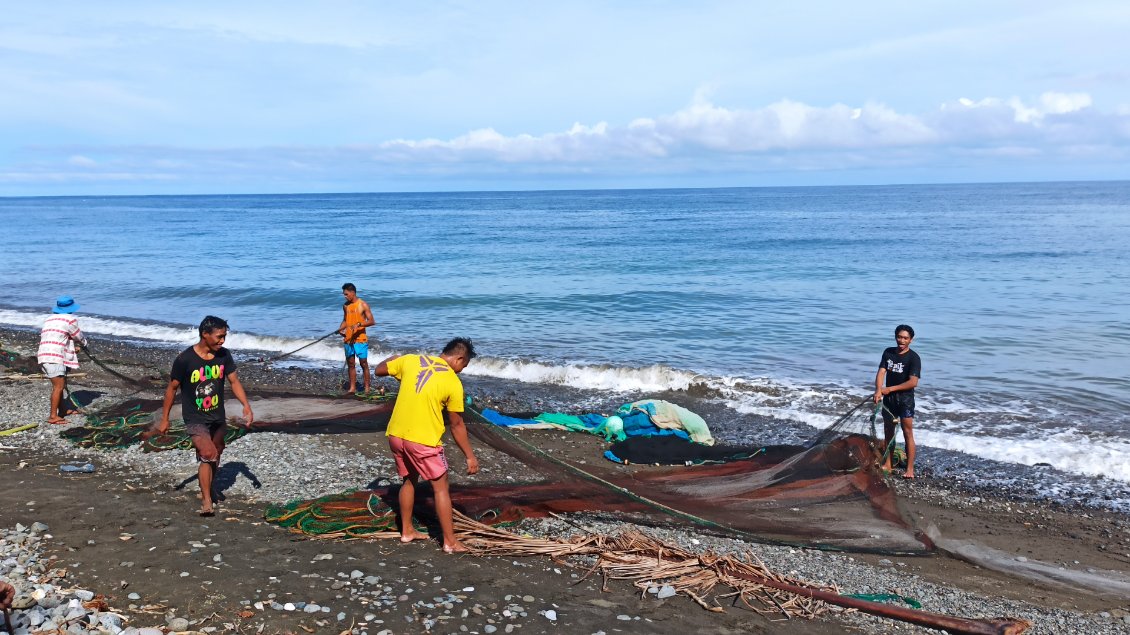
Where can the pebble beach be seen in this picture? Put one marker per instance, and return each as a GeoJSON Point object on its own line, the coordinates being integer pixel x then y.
{"type": "Point", "coordinates": [136, 559]}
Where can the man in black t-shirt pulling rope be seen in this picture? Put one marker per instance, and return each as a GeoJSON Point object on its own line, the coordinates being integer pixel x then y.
{"type": "Point", "coordinates": [199, 372]}
{"type": "Point", "coordinates": [899, 370]}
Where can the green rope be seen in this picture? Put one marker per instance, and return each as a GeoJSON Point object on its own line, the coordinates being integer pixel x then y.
{"type": "Point", "coordinates": [122, 431]}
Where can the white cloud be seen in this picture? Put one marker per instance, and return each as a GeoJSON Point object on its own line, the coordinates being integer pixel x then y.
{"type": "Point", "coordinates": [80, 161]}
{"type": "Point", "coordinates": [1048, 104]}
{"type": "Point", "coordinates": [702, 138]}
{"type": "Point", "coordinates": [704, 128]}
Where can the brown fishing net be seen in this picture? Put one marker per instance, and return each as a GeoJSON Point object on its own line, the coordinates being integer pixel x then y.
{"type": "Point", "coordinates": [828, 493]}
{"type": "Point", "coordinates": [126, 423]}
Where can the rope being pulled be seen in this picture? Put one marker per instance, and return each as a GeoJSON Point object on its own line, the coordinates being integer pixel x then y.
{"type": "Point", "coordinates": [147, 383]}
{"type": "Point", "coordinates": [271, 360]}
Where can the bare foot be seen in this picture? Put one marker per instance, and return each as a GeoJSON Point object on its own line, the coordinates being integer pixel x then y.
{"type": "Point", "coordinates": [908, 475]}
{"type": "Point", "coordinates": [207, 510]}
{"type": "Point", "coordinates": [56, 420]}
{"type": "Point", "coordinates": [414, 535]}
{"type": "Point", "coordinates": [458, 547]}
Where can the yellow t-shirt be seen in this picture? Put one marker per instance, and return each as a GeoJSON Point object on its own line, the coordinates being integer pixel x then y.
{"type": "Point", "coordinates": [428, 386]}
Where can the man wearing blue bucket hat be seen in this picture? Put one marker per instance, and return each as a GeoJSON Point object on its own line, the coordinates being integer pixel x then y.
{"type": "Point", "coordinates": [57, 353]}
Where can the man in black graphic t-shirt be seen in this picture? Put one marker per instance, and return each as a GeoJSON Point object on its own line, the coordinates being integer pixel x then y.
{"type": "Point", "coordinates": [199, 373]}
{"type": "Point", "coordinates": [899, 370]}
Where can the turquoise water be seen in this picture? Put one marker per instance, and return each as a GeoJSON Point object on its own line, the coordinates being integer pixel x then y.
{"type": "Point", "coordinates": [775, 298]}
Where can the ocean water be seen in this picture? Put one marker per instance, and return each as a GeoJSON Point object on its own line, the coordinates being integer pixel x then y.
{"type": "Point", "coordinates": [775, 302]}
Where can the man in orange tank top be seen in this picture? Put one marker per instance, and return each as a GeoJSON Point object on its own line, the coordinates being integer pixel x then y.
{"type": "Point", "coordinates": [357, 318]}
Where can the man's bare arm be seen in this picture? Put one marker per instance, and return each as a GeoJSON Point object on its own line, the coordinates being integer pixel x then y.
{"type": "Point", "coordinates": [459, 433]}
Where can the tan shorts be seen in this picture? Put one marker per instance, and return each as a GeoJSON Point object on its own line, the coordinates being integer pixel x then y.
{"type": "Point", "coordinates": [417, 459]}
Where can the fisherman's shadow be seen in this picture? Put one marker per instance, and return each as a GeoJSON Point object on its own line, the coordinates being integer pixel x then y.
{"type": "Point", "coordinates": [225, 479]}
{"type": "Point", "coordinates": [83, 398]}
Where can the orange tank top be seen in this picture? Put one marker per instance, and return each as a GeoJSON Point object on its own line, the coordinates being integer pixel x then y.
{"type": "Point", "coordinates": [354, 318]}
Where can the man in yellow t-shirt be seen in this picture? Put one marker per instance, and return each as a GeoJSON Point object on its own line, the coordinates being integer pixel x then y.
{"type": "Point", "coordinates": [429, 386]}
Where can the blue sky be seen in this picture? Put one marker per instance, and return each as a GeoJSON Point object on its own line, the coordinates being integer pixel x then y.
{"type": "Point", "coordinates": [208, 97]}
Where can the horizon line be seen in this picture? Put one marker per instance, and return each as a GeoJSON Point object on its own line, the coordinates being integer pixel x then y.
{"type": "Point", "coordinates": [552, 190]}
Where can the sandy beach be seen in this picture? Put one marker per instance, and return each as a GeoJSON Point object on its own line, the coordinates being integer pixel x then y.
{"type": "Point", "coordinates": [128, 533]}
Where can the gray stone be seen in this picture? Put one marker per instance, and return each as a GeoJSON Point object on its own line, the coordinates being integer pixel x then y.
{"type": "Point", "coordinates": [23, 601]}
{"type": "Point", "coordinates": [50, 602]}
{"type": "Point", "coordinates": [489, 628]}
{"type": "Point", "coordinates": [665, 591]}
{"type": "Point", "coordinates": [84, 595]}
{"type": "Point", "coordinates": [551, 615]}
{"type": "Point", "coordinates": [110, 622]}
{"type": "Point", "coordinates": [178, 624]}
{"type": "Point", "coordinates": [134, 596]}
{"type": "Point", "coordinates": [355, 574]}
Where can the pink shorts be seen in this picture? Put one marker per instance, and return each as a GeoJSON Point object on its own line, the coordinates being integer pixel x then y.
{"type": "Point", "coordinates": [417, 459]}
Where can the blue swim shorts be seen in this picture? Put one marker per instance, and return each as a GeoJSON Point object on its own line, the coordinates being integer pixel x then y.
{"type": "Point", "coordinates": [358, 349]}
{"type": "Point", "coordinates": [900, 404]}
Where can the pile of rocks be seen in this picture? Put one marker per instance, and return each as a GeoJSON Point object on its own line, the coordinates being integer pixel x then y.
{"type": "Point", "coordinates": [43, 602]}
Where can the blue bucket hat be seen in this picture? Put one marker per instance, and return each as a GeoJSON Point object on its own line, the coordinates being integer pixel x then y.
{"type": "Point", "coordinates": [65, 304]}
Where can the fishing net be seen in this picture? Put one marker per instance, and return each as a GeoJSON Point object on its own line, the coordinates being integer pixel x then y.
{"type": "Point", "coordinates": [126, 423]}
{"type": "Point", "coordinates": [353, 514]}
{"type": "Point", "coordinates": [828, 493]}
{"type": "Point", "coordinates": [15, 363]}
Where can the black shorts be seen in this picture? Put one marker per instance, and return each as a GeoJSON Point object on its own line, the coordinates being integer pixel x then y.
{"type": "Point", "coordinates": [899, 405]}
{"type": "Point", "coordinates": [203, 429]}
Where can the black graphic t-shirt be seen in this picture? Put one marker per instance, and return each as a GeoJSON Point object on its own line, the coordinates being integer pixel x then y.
{"type": "Point", "coordinates": [202, 385]}
{"type": "Point", "coordinates": [901, 368]}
